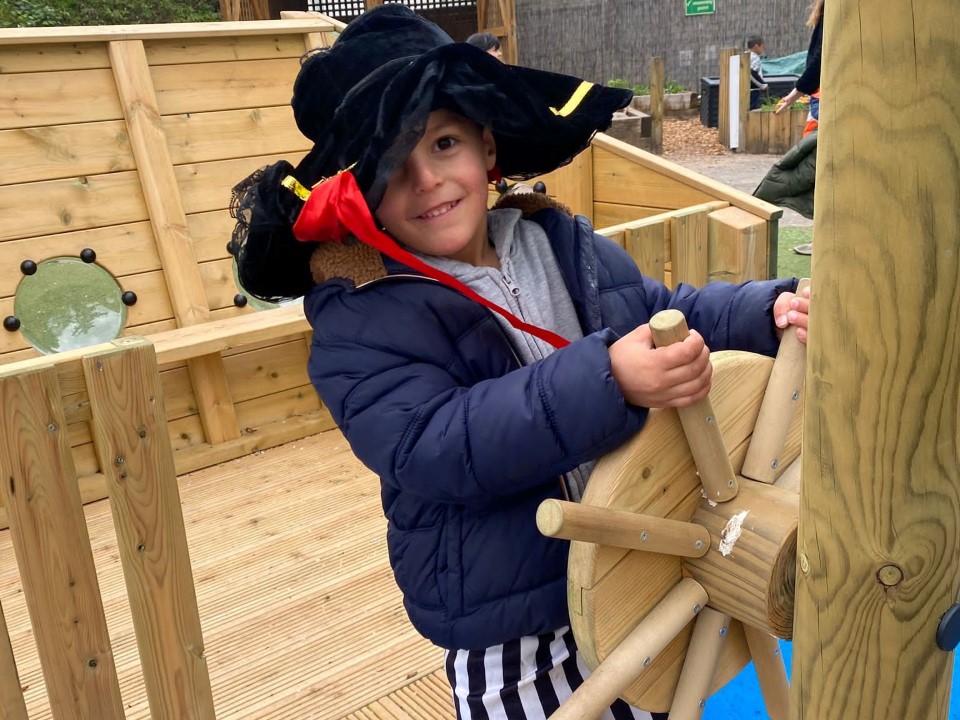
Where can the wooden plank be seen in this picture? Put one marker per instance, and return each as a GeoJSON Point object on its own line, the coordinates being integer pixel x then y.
{"type": "Point", "coordinates": [605, 214]}
{"type": "Point", "coordinates": [182, 31]}
{"type": "Point", "coordinates": [737, 246]}
{"type": "Point", "coordinates": [626, 183]}
{"type": "Point", "coordinates": [716, 190]}
{"type": "Point", "coordinates": [12, 706]}
{"type": "Point", "coordinates": [205, 87]}
{"type": "Point", "coordinates": [202, 137]}
{"type": "Point", "coordinates": [44, 57]}
{"type": "Point", "coordinates": [134, 450]}
{"type": "Point", "coordinates": [219, 286]}
{"type": "Point", "coordinates": [77, 203]}
{"type": "Point", "coordinates": [880, 477]}
{"type": "Point", "coordinates": [646, 245]}
{"type": "Point", "coordinates": [267, 370]}
{"type": "Point", "coordinates": [40, 492]}
{"type": "Point", "coordinates": [210, 232]}
{"type": "Point", "coordinates": [574, 186]}
{"type": "Point", "coordinates": [121, 250]}
{"type": "Point", "coordinates": [180, 50]}
{"type": "Point", "coordinates": [64, 151]}
{"type": "Point", "coordinates": [207, 186]}
{"type": "Point", "coordinates": [57, 98]}
{"type": "Point", "coordinates": [170, 225]}
{"type": "Point", "coordinates": [689, 241]}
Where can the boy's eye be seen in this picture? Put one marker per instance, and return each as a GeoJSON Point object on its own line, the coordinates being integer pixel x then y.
{"type": "Point", "coordinates": [445, 143]}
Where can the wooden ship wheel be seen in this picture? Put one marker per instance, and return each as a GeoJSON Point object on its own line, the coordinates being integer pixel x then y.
{"type": "Point", "coordinates": [683, 549]}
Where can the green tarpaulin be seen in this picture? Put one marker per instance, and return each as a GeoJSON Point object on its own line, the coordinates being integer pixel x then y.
{"type": "Point", "coordinates": [787, 65]}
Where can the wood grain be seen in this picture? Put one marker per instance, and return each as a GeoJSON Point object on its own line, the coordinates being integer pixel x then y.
{"type": "Point", "coordinates": [880, 496]}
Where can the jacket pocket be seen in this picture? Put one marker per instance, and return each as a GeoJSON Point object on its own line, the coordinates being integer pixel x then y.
{"type": "Point", "coordinates": [416, 557]}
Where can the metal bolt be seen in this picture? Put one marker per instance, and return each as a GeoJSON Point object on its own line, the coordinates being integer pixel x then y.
{"type": "Point", "coordinates": [702, 703]}
{"type": "Point", "coordinates": [709, 419]}
{"type": "Point", "coordinates": [92, 662]}
{"type": "Point", "coordinates": [119, 460]}
{"type": "Point", "coordinates": [647, 661]}
{"type": "Point", "coordinates": [99, 366]}
{"type": "Point", "coordinates": [804, 563]}
{"type": "Point", "coordinates": [141, 548]}
{"type": "Point", "coordinates": [142, 433]}
{"type": "Point", "coordinates": [723, 631]}
{"type": "Point", "coordinates": [796, 395]}
{"type": "Point", "coordinates": [698, 544]}
{"type": "Point", "coordinates": [775, 463]}
{"type": "Point", "coordinates": [696, 608]}
{"type": "Point", "coordinates": [643, 535]}
{"type": "Point", "coordinates": [730, 483]}
{"type": "Point", "coordinates": [52, 427]}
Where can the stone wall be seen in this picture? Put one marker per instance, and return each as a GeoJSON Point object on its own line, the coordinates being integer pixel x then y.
{"type": "Point", "coordinates": [605, 39]}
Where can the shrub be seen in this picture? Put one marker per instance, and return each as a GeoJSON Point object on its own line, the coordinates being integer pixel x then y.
{"type": "Point", "coordinates": [54, 13]}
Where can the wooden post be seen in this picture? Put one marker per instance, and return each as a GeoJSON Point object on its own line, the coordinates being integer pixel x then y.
{"type": "Point", "coordinates": [723, 105]}
{"type": "Point", "coordinates": [657, 77]}
{"type": "Point", "coordinates": [53, 551]}
{"type": "Point", "coordinates": [635, 652]}
{"type": "Point", "coordinates": [699, 666]}
{"type": "Point", "coordinates": [620, 528]}
{"type": "Point", "coordinates": [699, 421]}
{"type": "Point", "coordinates": [880, 497]}
{"type": "Point", "coordinates": [771, 674]}
{"type": "Point", "coordinates": [133, 446]}
{"type": "Point", "coordinates": [744, 101]}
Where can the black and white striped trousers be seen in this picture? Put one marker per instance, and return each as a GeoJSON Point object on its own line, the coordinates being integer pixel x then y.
{"type": "Point", "coordinates": [525, 679]}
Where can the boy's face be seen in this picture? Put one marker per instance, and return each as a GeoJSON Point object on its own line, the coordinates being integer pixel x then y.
{"type": "Point", "coordinates": [436, 202]}
{"type": "Point", "coordinates": [758, 48]}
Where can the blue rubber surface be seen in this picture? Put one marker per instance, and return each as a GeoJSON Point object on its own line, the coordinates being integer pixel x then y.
{"type": "Point", "coordinates": [741, 698]}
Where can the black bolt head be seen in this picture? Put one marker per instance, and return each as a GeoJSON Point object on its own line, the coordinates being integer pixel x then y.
{"type": "Point", "coordinates": [540, 187]}
{"type": "Point", "coordinates": [28, 267]}
{"type": "Point", "coordinates": [11, 323]}
{"type": "Point", "coordinates": [129, 298]}
{"type": "Point", "coordinates": [88, 255]}
{"type": "Point", "coordinates": [240, 300]}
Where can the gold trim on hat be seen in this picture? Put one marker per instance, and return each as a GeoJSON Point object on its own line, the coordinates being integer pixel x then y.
{"type": "Point", "coordinates": [295, 186]}
{"type": "Point", "coordinates": [579, 94]}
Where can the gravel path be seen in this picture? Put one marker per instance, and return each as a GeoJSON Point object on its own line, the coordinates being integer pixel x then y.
{"type": "Point", "coordinates": [690, 144]}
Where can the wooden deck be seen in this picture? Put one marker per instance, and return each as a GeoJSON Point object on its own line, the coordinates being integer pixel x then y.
{"type": "Point", "coordinates": [301, 617]}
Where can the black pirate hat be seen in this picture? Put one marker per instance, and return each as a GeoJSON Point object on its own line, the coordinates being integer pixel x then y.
{"type": "Point", "coordinates": [540, 121]}
{"type": "Point", "coordinates": [271, 263]}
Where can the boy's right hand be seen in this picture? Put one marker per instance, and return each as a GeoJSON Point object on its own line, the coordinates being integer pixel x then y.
{"type": "Point", "coordinates": [677, 375]}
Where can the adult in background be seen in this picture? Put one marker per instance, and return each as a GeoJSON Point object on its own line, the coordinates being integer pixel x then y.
{"type": "Point", "coordinates": [809, 82]}
{"type": "Point", "coordinates": [487, 42]}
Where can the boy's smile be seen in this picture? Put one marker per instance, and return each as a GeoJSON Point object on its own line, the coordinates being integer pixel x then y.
{"type": "Point", "coordinates": [436, 203]}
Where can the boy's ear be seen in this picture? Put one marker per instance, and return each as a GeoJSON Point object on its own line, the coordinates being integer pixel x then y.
{"type": "Point", "coordinates": [489, 147]}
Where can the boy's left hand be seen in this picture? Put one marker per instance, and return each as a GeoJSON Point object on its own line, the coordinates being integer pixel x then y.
{"type": "Point", "coordinates": [792, 309]}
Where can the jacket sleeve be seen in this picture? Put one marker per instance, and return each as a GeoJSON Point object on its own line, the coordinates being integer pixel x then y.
{"type": "Point", "coordinates": [410, 420]}
{"type": "Point", "coordinates": [729, 316]}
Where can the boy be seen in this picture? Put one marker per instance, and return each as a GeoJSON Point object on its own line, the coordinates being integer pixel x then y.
{"type": "Point", "coordinates": [758, 86]}
{"type": "Point", "coordinates": [490, 358]}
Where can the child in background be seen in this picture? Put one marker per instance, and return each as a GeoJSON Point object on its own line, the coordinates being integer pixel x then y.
{"type": "Point", "coordinates": [758, 86]}
{"type": "Point", "coordinates": [478, 361]}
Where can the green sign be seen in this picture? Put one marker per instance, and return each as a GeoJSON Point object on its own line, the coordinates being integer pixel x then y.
{"type": "Point", "coordinates": [701, 7]}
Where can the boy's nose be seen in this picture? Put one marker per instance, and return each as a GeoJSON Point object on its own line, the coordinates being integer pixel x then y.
{"type": "Point", "coordinates": [423, 175]}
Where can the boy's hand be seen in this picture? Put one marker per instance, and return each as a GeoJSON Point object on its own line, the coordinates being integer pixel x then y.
{"type": "Point", "coordinates": [790, 309]}
{"type": "Point", "coordinates": [677, 375]}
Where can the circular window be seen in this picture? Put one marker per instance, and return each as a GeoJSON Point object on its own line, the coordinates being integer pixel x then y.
{"type": "Point", "coordinates": [67, 304]}
{"type": "Point", "coordinates": [257, 303]}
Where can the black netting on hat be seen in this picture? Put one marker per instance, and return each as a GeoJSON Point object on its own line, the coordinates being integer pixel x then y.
{"type": "Point", "coordinates": [271, 263]}
{"type": "Point", "coordinates": [381, 119]}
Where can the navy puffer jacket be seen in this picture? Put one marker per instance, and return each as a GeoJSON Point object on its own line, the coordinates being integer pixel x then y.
{"type": "Point", "coordinates": [429, 392]}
